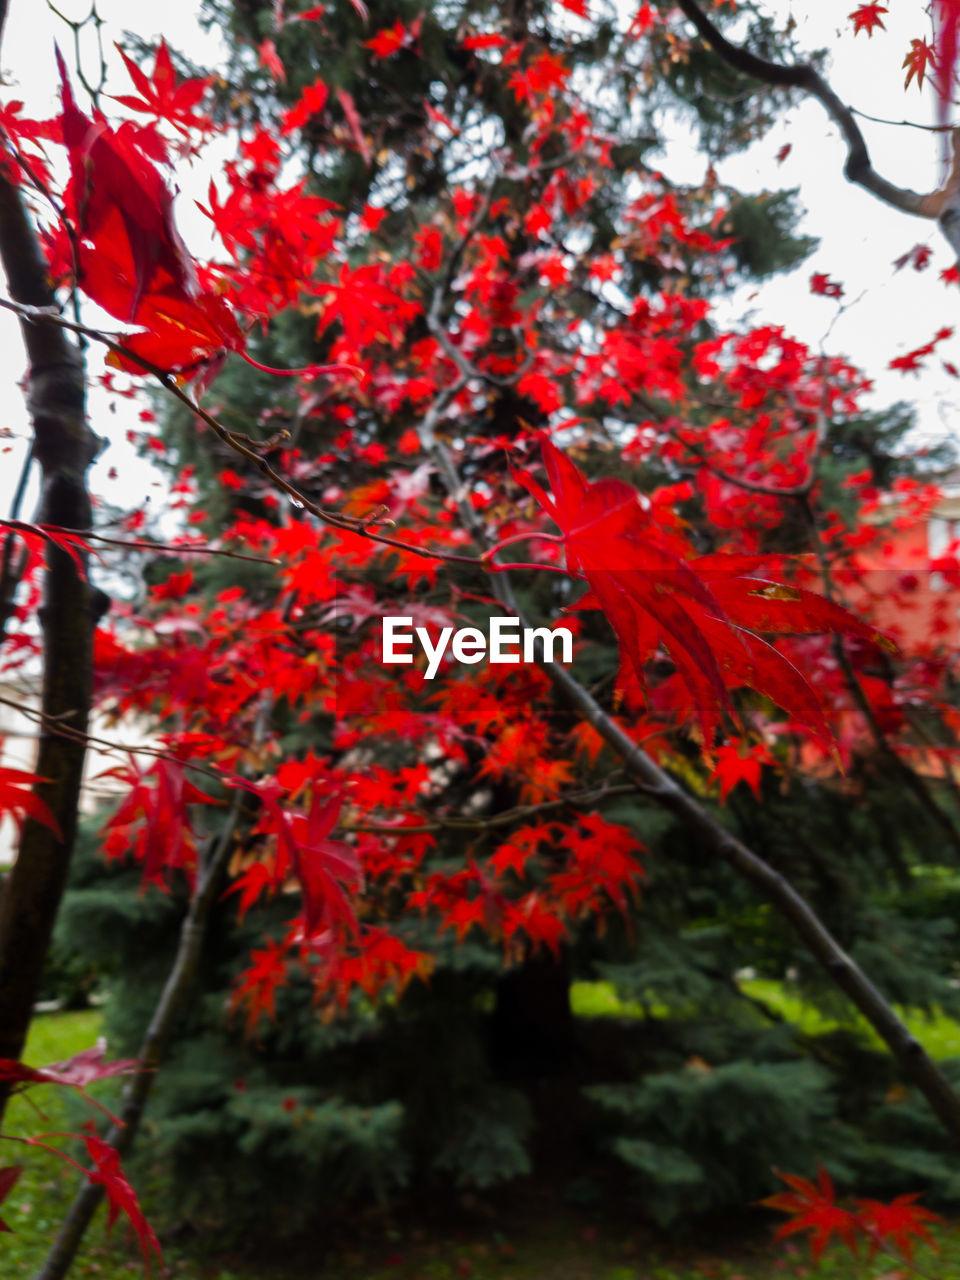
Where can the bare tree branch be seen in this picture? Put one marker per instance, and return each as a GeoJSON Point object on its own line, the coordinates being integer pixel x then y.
{"type": "Point", "coordinates": [942, 204]}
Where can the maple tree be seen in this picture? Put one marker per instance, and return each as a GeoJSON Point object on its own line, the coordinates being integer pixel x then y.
{"type": "Point", "coordinates": [466, 374]}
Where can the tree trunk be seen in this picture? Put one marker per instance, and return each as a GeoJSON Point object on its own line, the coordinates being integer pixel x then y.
{"type": "Point", "coordinates": [64, 447]}
{"type": "Point", "coordinates": [533, 1032]}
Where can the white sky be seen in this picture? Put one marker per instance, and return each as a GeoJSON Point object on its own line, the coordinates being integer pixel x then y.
{"type": "Point", "coordinates": [885, 313]}
{"type": "Point", "coordinates": [29, 74]}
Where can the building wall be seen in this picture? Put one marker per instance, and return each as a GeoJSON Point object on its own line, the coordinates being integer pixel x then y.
{"type": "Point", "coordinates": [917, 605]}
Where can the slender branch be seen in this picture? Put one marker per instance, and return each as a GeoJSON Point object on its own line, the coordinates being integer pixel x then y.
{"type": "Point", "coordinates": [466, 365]}
{"type": "Point", "coordinates": [909, 1053]}
{"type": "Point", "coordinates": [858, 167]}
{"type": "Point", "coordinates": [173, 548]}
{"type": "Point", "coordinates": [904, 124]}
{"type": "Point", "coordinates": [50, 315]}
{"type": "Point", "coordinates": [505, 818]}
{"type": "Point", "coordinates": [58, 726]}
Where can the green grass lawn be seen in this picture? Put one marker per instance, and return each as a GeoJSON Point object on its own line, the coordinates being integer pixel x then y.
{"type": "Point", "coordinates": [43, 1192]}
{"type": "Point", "coordinates": [591, 1253]}
{"type": "Point", "coordinates": [939, 1035]}
{"type": "Point", "coordinates": [563, 1244]}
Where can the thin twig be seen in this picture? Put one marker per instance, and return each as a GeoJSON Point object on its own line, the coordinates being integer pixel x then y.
{"type": "Point", "coordinates": [348, 524]}
{"type": "Point", "coordinates": [503, 819]}
{"type": "Point", "coordinates": [803, 76]}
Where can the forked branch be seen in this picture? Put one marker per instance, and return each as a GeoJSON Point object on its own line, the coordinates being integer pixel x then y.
{"type": "Point", "coordinates": [942, 204]}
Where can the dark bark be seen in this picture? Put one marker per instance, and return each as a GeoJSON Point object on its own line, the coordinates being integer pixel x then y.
{"type": "Point", "coordinates": [153, 1049]}
{"type": "Point", "coordinates": [943, 204]}
{"type": "Point", "coordinates": [533, 1032]}
{"type": "Point", "coordinates": [715, 840]}
{"type": "Point", "coordinates": [13, 556]}
{"type": "Point", "coordinates": [63, 447]}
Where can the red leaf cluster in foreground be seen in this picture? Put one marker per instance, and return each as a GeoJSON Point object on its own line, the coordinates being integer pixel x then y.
{"type": "Point", "coordinates": [812, 1208]}
{"type": "Point", "coordinates": [78, 1072]}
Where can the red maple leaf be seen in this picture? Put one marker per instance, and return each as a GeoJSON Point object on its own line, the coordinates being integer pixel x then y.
{"type": "Point", "coordinates": [180, 334]}
{"type": "Point", "coordinates": [821, 283]}
{"type": "Point", "coordinates": [545, 75]}
{"type": "Point", "coordinates": [516, 852]}
{"type": "Point", "coordinates": [365, 306]}
{"type": "Point", "coordinates": [121, 1197]}
{"type": "Point", "coordinates": [8, 1178]}
{"type": "Point", "coordinates": [919, 57]}
{"type": "Point", "coordinates": [270, 59]}
{"type": "Point", "coordinates": [911, 362]}
{"type": "Point", "coordinates": [355, 125]}
{"type": "Point", "coordinates": [154, 822]}
{"type": "Point", "coordinates": [918, 257]}
{"type": "Point", "coordinates": [537, 920]}
{"type": "Point", "coordinates": [703, 612]}
{"type": "Point", "coordinates": [310, 103]}
{"type": "Point", "coordinates": [76, 1072]}
{"type": "Point", "coordinates": [257, 986]}
{"type": "Point", "coordinates": [867, 18]}
{"type": "Point", "coordinates": [322, 867]}
{"type": "Point", "coordinates": [899, 1222]}
{"type": "Point", "coordinates": [812, 1208]}
{"type": "Point", "coordinates": [251, 886]}
{"type": "Point", "coordinates": [132, 261]}
{"type": "Point", "coordinates": [388, 40]}
{"type": "Point", "coordinates": [17, 798]}
{"type": "Point", "coordinates": [124, 213]}
{"type": "Point", "coordinates": [161, 96]}
{"type": "Point", "coordinates": [309, 15]}
{"type": "Point", "coordinates": [643, 20]}
{"type": "Point", "coordinates": [487, 40]}
{"type": "Point", "coordinates": [734, 765]}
